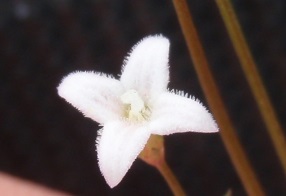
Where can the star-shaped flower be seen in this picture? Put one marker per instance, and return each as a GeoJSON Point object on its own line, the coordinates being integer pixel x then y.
{"type": "Point", "coordinates": [134, 107]}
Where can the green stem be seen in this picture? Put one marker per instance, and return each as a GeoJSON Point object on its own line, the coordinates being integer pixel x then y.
{"type": "Point", "coordinates": [248, 65]}
{"type": "Point", "coordinates": [227, 131]}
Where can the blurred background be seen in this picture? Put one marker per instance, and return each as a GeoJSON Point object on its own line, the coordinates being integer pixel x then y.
{"type": "Point", "coordinates": [45, 140]}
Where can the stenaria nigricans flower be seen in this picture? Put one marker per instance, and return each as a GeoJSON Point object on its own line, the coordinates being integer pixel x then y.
{"type": "Point", "coordinates": [134, 106]}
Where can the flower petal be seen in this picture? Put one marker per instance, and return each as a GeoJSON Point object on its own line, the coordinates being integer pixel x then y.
{"type": "Point", "coordinates": [94, 94]}
{"type": "Point", "coordinates": [146, 69]}
{"type": "Point", "coordinates": [173, 113]}
{"type": "Point", "coordinates": [117, 147]}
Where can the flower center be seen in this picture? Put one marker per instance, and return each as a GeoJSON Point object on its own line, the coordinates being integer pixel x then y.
{"type": "Point", "coordinates": [136, 109]}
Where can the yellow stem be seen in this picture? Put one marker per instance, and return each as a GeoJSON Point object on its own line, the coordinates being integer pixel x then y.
{"type": "Point", "coordinates": [248, 65]}
{"type": "Point", "coordinates": [154, 154]}
{"type": "Point", "coordinates": [227, 132]}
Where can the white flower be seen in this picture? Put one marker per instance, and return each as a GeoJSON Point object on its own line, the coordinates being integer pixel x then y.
{"type": "Point", "coordinates": [134, 107]}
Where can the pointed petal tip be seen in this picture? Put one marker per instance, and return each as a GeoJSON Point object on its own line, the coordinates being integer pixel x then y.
{"type": "Point", "coordinates": [65, 84]}
{"type": "Point", "coordinates": [110, 182]}
{"type": "Point", "coordinates": [157, 40]}
{"type": "Point", "coordinates": [68, 81]}
{"type": "Point", "coordinates": [146, 67]}
{"type": "Point", "coordinates": [118, 146]}
{"type": "Point", "coordinates": [156, 37]}
{"type": "Point", "coordinates": [212, 127]}
{"type": "Point", "coordinates": [176, 113]}
{"type": "Point", "coordinates": [153, 40]}
{"type": "Point", "coordinates": [93, 94]}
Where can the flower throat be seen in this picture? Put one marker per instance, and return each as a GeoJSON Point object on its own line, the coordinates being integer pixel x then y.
{"type": "Point", "coordinates": [135, 109]}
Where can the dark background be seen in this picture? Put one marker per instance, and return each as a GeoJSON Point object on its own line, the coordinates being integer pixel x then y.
{"type": "Point", "coordinates": [44, 139]}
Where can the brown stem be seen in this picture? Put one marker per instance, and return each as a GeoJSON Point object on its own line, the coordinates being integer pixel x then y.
{"type": "Point", "coordinates": [170, 178]}
{"type": "Point", "coordinates": [154, 154]}
{"type": "Point", "coordinates": [227, 132]}
{"type": "Point", "coordinates": [248, 65]}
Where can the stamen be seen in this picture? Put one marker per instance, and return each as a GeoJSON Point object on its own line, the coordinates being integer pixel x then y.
{"type": "Point", "coordinates": [136, 109]}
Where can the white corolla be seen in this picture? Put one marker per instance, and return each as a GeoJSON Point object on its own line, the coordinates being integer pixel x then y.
{"type": "Point", "coordinates": [134, 106]}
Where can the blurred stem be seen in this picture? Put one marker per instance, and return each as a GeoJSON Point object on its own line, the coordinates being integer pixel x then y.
{"type": "Point", "coordinates": [227, 132]}
{"type": "Point", "coordinates": [248, 65]}
{"type": "Point", "coordinates": [154, 154]}
{"type": "Point", "coordinates": [172, 181]}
